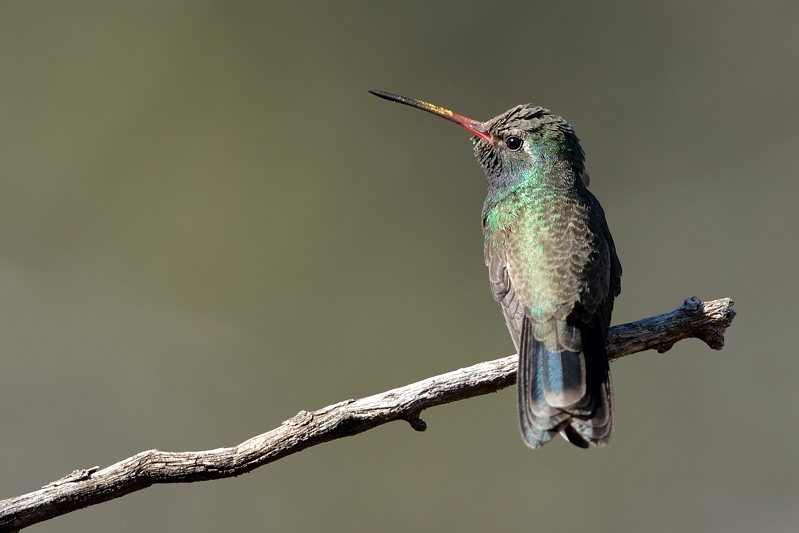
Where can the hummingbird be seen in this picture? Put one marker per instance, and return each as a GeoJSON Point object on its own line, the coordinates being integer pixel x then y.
{"type": "Point", "coordinates": [552, 266]}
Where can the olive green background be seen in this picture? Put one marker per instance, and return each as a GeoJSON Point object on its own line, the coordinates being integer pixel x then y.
{"type": "Point", "coordinates": [207, 225]}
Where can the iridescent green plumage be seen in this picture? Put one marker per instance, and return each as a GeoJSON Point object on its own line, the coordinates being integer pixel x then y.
{"type": "Point", "coordinates": [554, 271]}
{"type": "Point", "coordinates": [552, 266]}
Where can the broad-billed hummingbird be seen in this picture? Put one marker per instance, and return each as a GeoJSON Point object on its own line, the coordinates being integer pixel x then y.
{"type": "Point", "coordinates": [552, 266]}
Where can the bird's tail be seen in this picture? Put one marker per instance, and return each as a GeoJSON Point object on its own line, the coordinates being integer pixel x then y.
{"type": "Point", "coordinates": [562, 390]}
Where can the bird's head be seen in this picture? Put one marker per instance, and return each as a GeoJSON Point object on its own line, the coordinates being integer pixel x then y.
{"type": "Point", "coordinates": [523, 140]}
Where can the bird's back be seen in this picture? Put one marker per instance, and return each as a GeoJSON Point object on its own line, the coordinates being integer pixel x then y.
{"type": "Point", "coordinates": [554, 272]}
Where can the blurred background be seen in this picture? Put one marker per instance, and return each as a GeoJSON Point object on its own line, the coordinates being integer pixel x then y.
{"type": "Point", "coordinates": [207, 225]}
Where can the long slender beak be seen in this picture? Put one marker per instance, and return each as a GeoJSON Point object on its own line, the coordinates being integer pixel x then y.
{"type": "Point", "coordinates": [473, 126]}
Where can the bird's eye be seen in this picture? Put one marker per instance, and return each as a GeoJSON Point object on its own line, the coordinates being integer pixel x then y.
{"type": "Point", "coordinates": [513, 143]}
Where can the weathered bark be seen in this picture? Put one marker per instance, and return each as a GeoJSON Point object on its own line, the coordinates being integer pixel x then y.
{"type": "Point", "coordinates": [82, 488]}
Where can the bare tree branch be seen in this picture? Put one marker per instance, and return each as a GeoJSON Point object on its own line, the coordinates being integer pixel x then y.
{"type": "Point", "coordinates": [82, 488]}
